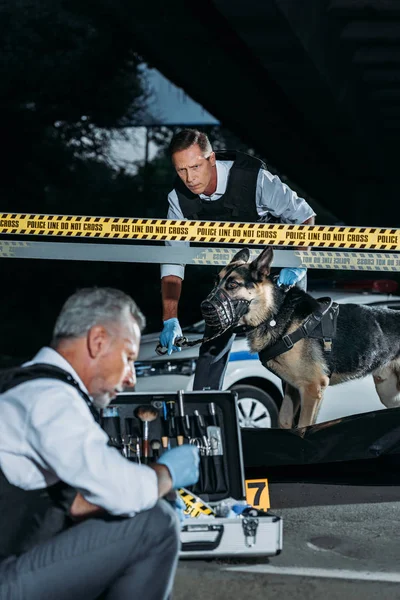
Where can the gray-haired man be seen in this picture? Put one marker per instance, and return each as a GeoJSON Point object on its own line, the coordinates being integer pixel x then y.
{"type": "Point", "coordinates": [223, 186]}
{"type": "Point", "coordinates": [78, 520]}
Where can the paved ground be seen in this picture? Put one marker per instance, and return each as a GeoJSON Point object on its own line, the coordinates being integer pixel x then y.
{"type": "Point", "coordinates": [348, 551]}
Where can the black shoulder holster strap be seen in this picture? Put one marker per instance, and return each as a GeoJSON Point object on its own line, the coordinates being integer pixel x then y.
{"type": "Point", "coordinates": [10, 378]}
{"type": "Point", "coordinates": [321, 324]}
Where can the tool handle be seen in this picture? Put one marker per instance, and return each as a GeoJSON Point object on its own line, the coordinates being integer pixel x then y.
{"type": "Point", "coordinates": [170, 404]}
{"type": "Point", "coordinates": [181, 406]}
{"type": "Point", "coordinates": [145, 450]}
{"type": "Point", "coordinates": [201, 428]}
{"type": "Point", "coordinates": [202, 546]}
{"type": "Point", "coordinates": [213, 415]}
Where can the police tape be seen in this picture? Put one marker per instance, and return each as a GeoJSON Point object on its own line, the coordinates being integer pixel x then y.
{"type": "Point", "coordinates": [313, 259]}
{"type": "Point", "coordinates": [194, 505]}
{"type": "Point", "coordinates": [211, 256]}
{"type": "Point", "coordinates": [351, 261]}
{"type": "Point", "coordinates": [318, 236]}
{"type": "Point", "coordinates": [11, 249]}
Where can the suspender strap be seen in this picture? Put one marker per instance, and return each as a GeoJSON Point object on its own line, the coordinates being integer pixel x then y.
{"type": "Point", "coordinates": [10, 378]}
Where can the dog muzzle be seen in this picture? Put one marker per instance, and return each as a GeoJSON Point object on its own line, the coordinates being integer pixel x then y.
{"type": "Point", "coordinates": [220, 312]}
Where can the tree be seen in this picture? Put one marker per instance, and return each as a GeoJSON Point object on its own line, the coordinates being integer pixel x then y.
{"type": "Point", "coordinates": [70, 76]}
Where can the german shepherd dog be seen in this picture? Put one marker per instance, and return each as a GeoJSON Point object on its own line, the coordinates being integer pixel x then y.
{"type": "Point", "coordinates": [367, 339]}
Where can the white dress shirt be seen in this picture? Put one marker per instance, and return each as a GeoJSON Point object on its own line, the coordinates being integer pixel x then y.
{"type": "Point", "coordinates": [273, 197]}
{"type": "Point", "coordinates": [48, 433]}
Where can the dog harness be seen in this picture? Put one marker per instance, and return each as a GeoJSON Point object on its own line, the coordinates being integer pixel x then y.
{"type": "Point", "coordinates": [321, 324]}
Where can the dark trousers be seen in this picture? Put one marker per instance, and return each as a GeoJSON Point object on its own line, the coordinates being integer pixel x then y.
{"type": "Point", "coordinates": [214, 357]}
{"type": "Point", "coordinates": [102, 558]}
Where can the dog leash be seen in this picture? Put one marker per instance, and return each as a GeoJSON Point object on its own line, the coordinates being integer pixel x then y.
{"type": "Point", "coordinates": [184, 342]}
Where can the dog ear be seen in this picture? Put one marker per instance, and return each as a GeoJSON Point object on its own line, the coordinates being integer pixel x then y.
{"type": "Point", "coordinates": [261, 266]}
{"type": "Point", "coordinates": [241, 256]}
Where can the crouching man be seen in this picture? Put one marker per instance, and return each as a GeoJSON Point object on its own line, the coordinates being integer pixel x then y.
{"type": "Point", "coordinates": [77, 519]}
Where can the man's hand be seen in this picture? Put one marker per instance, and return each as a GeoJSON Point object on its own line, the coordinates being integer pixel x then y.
{"type": "Point", "coordinates": [171, 331]}
{"type": "Point", "coordinates": [182, 463]}
{"type": "Point", "coordinates": [164, 479]}
{"type": "Point", "coordinates": [291, 276]}
{"type": "Point", "coordinates": [82, 509]}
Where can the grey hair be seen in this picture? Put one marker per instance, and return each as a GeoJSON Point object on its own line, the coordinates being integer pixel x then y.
{"type": "Point", "coordinates": [186, 138]}
{"type": "Point", "coordinates": [94, 306]}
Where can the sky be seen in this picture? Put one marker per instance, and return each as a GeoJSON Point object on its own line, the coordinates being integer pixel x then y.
{"type": "Point", "coordinates": [170, 105]}
{"type": "Point", "coordinates": [173, 106]}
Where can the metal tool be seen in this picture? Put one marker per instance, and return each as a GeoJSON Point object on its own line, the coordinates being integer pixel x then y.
{"type": "Point", "coordinates": [183, 422]}
{"type": "Point", "coordinates": [214, 433]}
{"type": "Point", "coordinates": [138, 453]}
{"type": "Point", "coordinates": [171, 418]}
{"type": "Point", "coordinates": [204, 445]}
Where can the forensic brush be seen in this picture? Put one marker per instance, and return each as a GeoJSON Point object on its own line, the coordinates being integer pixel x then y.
{"type": "Point", "coordinates": [146, 414]}
{"type": "Point", "coordinates": [155, 448]}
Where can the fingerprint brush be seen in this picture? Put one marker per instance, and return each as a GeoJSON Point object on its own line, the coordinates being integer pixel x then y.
{"type": "Point", "coordinates": [146, 414]}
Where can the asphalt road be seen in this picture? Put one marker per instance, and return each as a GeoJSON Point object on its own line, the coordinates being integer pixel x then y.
{"type": "Point", "coordinates": [335, 551]}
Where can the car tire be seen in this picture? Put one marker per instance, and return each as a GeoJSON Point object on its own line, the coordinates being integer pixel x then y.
{"type": "Point", "coordinates": [256, 408]}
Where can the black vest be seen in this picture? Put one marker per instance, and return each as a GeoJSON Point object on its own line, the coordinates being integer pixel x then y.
{"type": "Point", "coordinates": [28, 517]}
{"type": "Point", "coordinates": [238, 203]}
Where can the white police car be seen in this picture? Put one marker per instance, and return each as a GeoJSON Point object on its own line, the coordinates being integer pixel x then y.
{"type": "Point", "coordinates": [259, 390]}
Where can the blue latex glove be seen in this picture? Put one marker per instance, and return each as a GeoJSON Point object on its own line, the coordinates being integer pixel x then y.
{"type": "Point", "coordinates": [171, 330]}
{"type": "Point", "coordinates": [183, 464]}
{"type": "Point", "coordinates": [239, 508]}
{"type": "Point", "coordinates": [291, 276]}
{"type": "Point", "coordinates": [175, 500]}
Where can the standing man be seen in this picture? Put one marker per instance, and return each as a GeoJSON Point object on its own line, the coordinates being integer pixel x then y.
{"type": "Point", "coordinates": [77, 519]}
{"type": "Point", "coordinates": [227, 186]}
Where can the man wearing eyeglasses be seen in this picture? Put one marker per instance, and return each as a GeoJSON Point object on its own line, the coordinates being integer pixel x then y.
{"type": "Point", "coordinates": [223, 186]}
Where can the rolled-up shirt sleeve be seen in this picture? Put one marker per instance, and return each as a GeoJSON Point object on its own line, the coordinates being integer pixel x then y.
{"type": "Point", "coordinates": [275, 197]}
{"type": "Point", "coordinates": [174, 213]}
{"type": "Point", "coordinates": [65, 440]}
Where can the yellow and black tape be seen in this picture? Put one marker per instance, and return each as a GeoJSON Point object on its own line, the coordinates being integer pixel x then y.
{"type": "Point", "coordinates": [212, 232]}
{"type": "Point", "coordinates": [351, 261]}
{"type": "Point", "coordinates": [315, 259]}
{"type": "Point", "coordinates": [195, 506]}
{"type": "Point", "coordinates": [9, 249]}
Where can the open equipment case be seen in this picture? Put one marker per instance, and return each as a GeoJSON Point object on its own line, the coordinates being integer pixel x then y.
{"type": "Point", "coordinates": [208, 419]}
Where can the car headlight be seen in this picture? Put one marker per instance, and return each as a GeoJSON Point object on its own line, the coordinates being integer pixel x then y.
{"type": "Point", "coordinates": [165, 367]}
